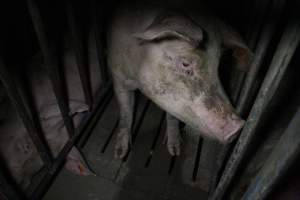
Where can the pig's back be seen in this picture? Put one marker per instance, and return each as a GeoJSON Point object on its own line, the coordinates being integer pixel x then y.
{"type": "Point", "coordinates": [124, 52]}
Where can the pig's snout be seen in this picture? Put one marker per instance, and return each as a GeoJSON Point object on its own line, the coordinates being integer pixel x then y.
{"type": "Point", "coordinates": [223, 128]}
{"type": "Point", "coordinates": [231, 129]}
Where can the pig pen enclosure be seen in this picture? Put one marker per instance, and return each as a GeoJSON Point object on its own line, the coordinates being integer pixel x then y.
{"type": "Point", "coordinates": [58, 112]}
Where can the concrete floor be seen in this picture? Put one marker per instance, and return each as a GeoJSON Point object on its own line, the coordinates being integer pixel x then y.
{"type": "Point", "coordinates": [149, 172]}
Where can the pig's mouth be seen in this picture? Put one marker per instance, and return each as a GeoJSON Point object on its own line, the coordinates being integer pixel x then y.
{"type": "Point", "coordinates": [228, 138]}
{"type": "Point", "coordinates": [223, 130]}
{"type": "Point", "coordinates": [225, 135]}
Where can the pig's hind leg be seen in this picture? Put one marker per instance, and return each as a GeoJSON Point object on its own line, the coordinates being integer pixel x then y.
{"type": "Point", "coordinates": [173, 137]}
{"type": "Point", "coordinates": [125, 98]}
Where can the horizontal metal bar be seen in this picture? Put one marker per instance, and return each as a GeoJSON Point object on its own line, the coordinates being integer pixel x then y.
{"type": "Point", "coordinates": [51, 65]}
{"type": "Point", "coordinates": [81, 60]}
{"type": "Point", "coordinates": [280, 62]}
{"type": "Point", "coordinates": [32, 128]}
{"type": "Point", "coordinates": [282, 157]}
{"type": "Point", "coordinates": [85, 126]}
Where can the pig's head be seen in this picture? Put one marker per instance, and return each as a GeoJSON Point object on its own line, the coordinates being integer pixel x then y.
{"type": "Point", "coordinates": [180, 73]}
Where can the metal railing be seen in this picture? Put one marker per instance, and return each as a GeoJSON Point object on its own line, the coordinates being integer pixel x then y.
{"type": "Point", "coordinates": [265, 180]}
{"type": "Point", "coordinates": [8, 188]}
{"type": "Point", "coordinates": [263, 183]}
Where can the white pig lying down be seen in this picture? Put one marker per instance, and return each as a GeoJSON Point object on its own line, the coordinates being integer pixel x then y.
{"type": "Point", "coordinates": [16, 147]}
{"type": "Point", "coordinates": [172, 56]}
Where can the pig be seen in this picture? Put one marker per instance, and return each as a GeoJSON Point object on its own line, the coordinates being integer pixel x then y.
{"type": "Point", "coordinates": [172, 56]}
{"type": "Point", "coordinates": [16, 147]}
{"type": "Point", "coordinates": [18, 151]}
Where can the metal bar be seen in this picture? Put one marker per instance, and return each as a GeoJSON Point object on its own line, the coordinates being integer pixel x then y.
{"type": "Point", "coordinates": [98, 37]}
{"type": "Point", "coordinates": [30, 125]}
{"type": "Point", "coordinates": [197, 159]}
{"type": "Point", "coordinates": [280, 61]}
{"type": "Point", "coordinates": [236, 85]}
{"type": "Point", "coordinates": [102, 101]}
{"type": "Point", "coordinates": [260, 52]}
{"type": "Point", "coordinates": [137, 127]}
{"type": "Point", "coordinates": [155, 140]}
{"type": "Point", "coordinates": [101, 109]}
{"type": "Point", "coordinates": [51, 64]}
{"type": "Point", "coordinates": [245, 91]}
{"type": "Point", "coordinates": [259, 13]}
{"type": "Point", "coordinates": [85, 127]}
{"type": "Point", "coordinates": [172, 164]}
{"type": "Point", "coordinates": [114, 129]}
{"type": "Point", "coordinates": [80, 57]}
{"type": "Point", "coordinates": [277, 164]}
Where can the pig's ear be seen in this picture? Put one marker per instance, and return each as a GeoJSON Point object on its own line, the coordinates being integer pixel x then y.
{"type": "Point", "coordinates": [170, 26]}
{"type": "Point", "coordinates": [241, 53]}
{"type": "Point", "coordinates": [76, 164]}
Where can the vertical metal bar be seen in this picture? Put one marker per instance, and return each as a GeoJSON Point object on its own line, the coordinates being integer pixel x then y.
{"type": "Point", "coordinates": [80, 57]}
{"type": "Point", "coordinates": [197, 159]}
{"type": "Point", "coordinates": [260, 52]}
{"type": "Point", "coordinates": [282, 157]}
{"type": "Point", "coordinates": [51, 64]}
{"type": "Point", "coordinates": [29, 124]}
{"type": "Point", "coordinates": [259, 12]}
{"type": "Point", "coordinates": [245, 91]}
{"type": "Point", "coordinates": [280, 61]}
{"type": "Point", "coordinates": [98, 37]}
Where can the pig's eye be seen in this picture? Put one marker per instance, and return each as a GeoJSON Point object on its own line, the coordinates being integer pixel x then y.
{"type": "Point", "coordinates": [185, 64]}
{"type": "Point", "coordinates": [186, 67]}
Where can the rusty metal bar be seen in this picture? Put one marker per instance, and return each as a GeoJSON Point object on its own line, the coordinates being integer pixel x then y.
{"type": "Point", "coordinates": [282, 157]}
{"type": "Point", "coordinates": [79, 54]}
{"type": "Point", "coordinates": [85, 127]}
{"type": "Point", "coordinates": [30, 125]}
{"type": "Point", "coordinates": [260, 52]}
{"type": "Point", "coordinates": [246, 94]}
{"type": "Point", "coordinates": [51, 64]}
{"type": "Point", "coordinates": [98, 34]}
{"type": "Point", "coordinates": [280, 62]}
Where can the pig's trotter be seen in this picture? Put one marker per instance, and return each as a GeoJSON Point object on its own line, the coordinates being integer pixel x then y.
{"type": "Point", "coordinates": [122, 144]}
{"type": "Point", "coordinates": [173, 136]}
{"type": "Point", "coordinates": [125, 99]}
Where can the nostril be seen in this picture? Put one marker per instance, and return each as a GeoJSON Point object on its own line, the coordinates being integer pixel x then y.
{"type": "Point", "coordinates": [233, 130]}
{"type": "Point", "coordinates": [235, 117]}
{"type": "Point", "coordinates": [185, 64]}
